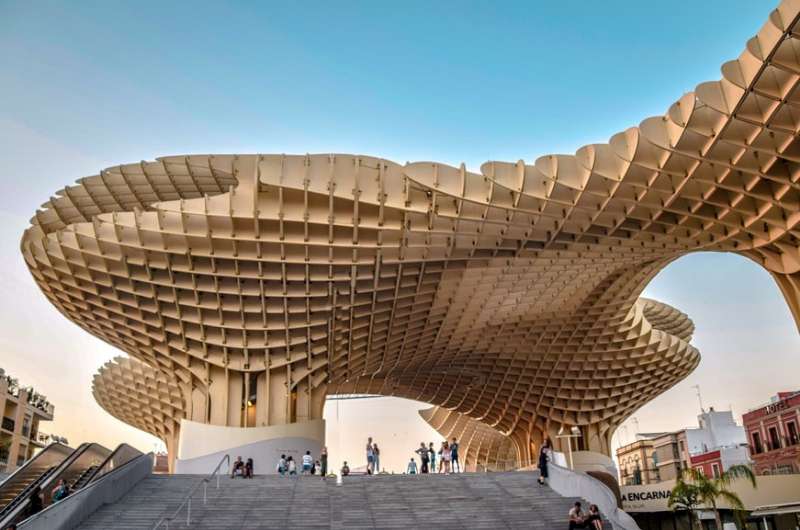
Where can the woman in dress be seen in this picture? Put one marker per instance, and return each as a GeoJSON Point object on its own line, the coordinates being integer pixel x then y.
{"type": "Point", "coordinates": [446, 456]}
{"type": "Point", "coordinates": [323, 462]}
{"type": "Point", "coordinates": [544, 456]}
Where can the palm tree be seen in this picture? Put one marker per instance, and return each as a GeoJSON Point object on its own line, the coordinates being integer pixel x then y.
{"type": "Point", "coordinates": [710, 490]}
{"type": "Point", "coordinates": [684, 496]}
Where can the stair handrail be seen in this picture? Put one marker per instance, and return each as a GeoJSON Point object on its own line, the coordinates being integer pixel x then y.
{"type": "Point", "coordinates": [187, 501]}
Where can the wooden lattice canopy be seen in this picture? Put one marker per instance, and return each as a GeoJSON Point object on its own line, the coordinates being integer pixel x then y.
{"type": "Point", "coordinates": [259, 283]}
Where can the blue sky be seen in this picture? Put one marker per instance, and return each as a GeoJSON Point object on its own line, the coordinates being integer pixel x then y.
{"type": "Point", "coordinates": [93, 84]}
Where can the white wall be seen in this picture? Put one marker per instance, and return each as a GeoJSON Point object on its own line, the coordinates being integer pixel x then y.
{"type": "Point", "coordinates": [202, 446]}
{"type": "Point", "coordinates": [717, 429]}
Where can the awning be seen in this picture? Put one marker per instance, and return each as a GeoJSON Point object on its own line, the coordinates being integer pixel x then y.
{"type": "Point", "coordinates": [776, 509]}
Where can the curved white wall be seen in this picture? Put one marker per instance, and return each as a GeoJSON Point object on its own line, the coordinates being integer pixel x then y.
{"type": "Point", "coordinates": [202, 446]}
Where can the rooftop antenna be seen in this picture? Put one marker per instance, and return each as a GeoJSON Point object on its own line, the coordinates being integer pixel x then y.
{"type": "Point", "coordinates": [699, 397]}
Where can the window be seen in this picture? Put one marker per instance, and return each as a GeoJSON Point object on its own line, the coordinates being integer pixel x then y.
{"type": "Point", "coordinates": [774, 439]}
{"type": "Point", "coordinates": [757, 443]}
{"type": "Point", "coordinates": [791, 428]}
{"type": "Point", "coordinates": [700, 470]}
{"type": "Point", "coordinates": [715, 470]}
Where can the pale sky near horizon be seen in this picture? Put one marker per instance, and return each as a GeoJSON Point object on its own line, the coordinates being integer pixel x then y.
{"type": "Point", "coordinates": [95, 84]}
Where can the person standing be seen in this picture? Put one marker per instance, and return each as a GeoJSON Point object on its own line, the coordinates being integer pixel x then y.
{"type": "Point", "coordinates": [308, 463]}
{"type": "Point", "coordinates": [323, 462]}
{"type": "Point", "coordinates": [544, 456]}
{"type": "Point", "coordinates": [445, 457]}
{"type": "Point", "coordinates": [412, 467]}
{"type": "Point", "coordinates": [432, 453]}
{"type": "Point", "coordinates": [376, 456]}
{"type": "Point", "coordinates": [291, 466]}
{"type": "Point", "coordinates": [35, 502]}
{"type": "Point", "coordinates": [454, 455]}
{"type": "Point", "coordinates": [423, 457]}
{"type": "Point", "coordinates": [281, 467]}
{"type": "Point", "coordinates": [61, 491]}
{"type": "Point", "coordinates": [370, 456]}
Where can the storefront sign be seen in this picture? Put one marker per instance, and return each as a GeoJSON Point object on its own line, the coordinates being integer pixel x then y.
{"type": "Point", "coordinates": [652, 498]}
{"type": "Point", "coordinates": [775, 407]}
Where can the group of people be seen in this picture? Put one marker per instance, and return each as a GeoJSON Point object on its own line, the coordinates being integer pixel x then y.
{"type": "Point", "coordinates": [36, 502]}
{"type": "Point", "coordinates": [373, 457]}
{"type": "Point", "coordinates": [591, 520]}
{"type": "Point", "coordinates": [308, 466]}
{"type": "Point", "coordinates": [242, 469]}
{"type": "Point", "coordinates": [447, 456]}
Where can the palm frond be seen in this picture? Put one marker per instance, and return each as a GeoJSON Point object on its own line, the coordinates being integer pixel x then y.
{"type": "Point", "coordinates": [740, 471]}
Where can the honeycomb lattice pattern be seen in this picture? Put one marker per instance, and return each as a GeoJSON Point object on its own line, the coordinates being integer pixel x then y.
{"type": "Point", "coordinates": [482, 448]}
{"type": "Point", "coordinates": [507, 295]}
{"type": "Point", "coordinates": [141, 396]}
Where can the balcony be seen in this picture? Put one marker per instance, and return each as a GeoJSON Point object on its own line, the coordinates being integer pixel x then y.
{"type": "Point", "coordinates": [768, 446]}
{"type": "Point", "coordinates": [8, 424]}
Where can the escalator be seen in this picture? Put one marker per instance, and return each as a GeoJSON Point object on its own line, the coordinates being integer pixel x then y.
{"type": "Point", "coordinates": [17, 487]}
{"type": "Point", "coordinates": [123, 454]}
{"type": "Point", "coordinates": [76, 467]}
{"type": "Point", "coordinates": [84, 478]}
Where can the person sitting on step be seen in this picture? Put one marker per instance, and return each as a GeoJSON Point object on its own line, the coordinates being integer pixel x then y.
{"type": "Point", "coordinates": [248, 468]}
{"type": "Point", "coordinates": [238, 468]}
{"type": "Point", "coordinates": [594, 520]}
{"type": "Point", "coordinates": [576, 518]}
{"type": "Point", "coordinates": [345, 469]}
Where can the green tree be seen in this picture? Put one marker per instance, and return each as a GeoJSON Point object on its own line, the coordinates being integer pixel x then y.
{"type": "Point", "coordinates": [684, 496]}
{"type": "Point", "coordinates": [711, 490]}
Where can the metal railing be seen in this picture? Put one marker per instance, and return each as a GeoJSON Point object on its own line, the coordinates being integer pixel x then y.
{"type": "Point", "coordinates": [188, 500]}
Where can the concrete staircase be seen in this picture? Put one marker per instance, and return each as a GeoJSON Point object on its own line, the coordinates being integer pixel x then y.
{"type": "Point", "coordinates": [408, 502]}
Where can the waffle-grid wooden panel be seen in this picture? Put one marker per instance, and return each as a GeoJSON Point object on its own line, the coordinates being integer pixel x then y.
{"type": "Point", "coordinates": [482, 448]}
{"type": "Point", "coordinates": [141, 396]}
{"type": "Point", "coordinates": [507, 295]}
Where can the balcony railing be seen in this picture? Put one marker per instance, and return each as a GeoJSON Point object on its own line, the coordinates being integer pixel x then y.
{"type": "Point", "coordinates": [785, 441]}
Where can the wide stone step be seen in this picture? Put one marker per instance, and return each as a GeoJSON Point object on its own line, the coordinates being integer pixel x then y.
{"type": "Point", "coordinates": [408, 502]}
